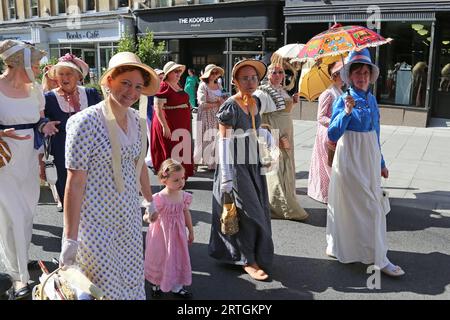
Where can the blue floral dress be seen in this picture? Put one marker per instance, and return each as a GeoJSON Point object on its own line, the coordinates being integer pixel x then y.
{"type": "Point", "coordinates": [110, 232]}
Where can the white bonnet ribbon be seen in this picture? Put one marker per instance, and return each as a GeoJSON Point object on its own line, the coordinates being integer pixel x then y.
{"type": "Point", "coordinates": [143, 100]}
{"type": "Point", "coordinates": [26, 58]}
{"type": "Point", "coordinates": [111, 126]}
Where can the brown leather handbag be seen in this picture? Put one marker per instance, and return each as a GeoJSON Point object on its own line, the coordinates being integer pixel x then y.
{"type": "Point", "coordinates": [229, 221]}
{"type": "Point", "coordinates": [5, 153]}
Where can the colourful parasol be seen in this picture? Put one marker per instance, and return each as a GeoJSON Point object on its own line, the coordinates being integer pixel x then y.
{"type": "Point", "coordinates": [340, 39]}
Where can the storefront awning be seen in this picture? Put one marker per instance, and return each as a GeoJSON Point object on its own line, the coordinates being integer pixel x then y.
{"type": "Point", "coordinates": [295, 15]}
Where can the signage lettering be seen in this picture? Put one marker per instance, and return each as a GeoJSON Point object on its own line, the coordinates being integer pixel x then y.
{"type": "Point", "coordinates": [9, 38]}
{"type": "Point", "coordinates": [82, 35]}
{"type": "Point", "coordinates": [196, 21]}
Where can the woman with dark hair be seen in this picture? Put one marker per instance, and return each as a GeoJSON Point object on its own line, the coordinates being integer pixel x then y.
{"type": "Point", "coordinates": [190, 87]}
{"type": "Point", "coordinates": [356, 217]}
{"type": "Point", "coordinates": [105, 150]}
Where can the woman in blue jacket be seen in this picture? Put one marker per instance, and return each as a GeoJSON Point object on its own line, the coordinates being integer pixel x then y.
{"type": "Point", "coordinates": [63, 102]}
{"type": "Point", "coordinates": [356, 220]}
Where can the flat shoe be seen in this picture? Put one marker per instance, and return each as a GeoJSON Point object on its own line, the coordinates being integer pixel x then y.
{"type": "Point", "coordinates": [156, 291]}
{"type": "Point", "coordinates": [393, 272]}
{"type": "Point", "coordinates": [21, 293]}
{"type": "Point", "coordinates": [183, 293]}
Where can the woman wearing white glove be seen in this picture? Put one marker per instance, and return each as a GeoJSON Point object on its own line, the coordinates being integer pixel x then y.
{"type": "Point", "coordinates": [239, 172]}
{"type": "Point", "coordinates": [105, 150]}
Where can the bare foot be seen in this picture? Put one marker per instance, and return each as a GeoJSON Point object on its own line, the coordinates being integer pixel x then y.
{"type": "Point", "coordinates": [256, 272]}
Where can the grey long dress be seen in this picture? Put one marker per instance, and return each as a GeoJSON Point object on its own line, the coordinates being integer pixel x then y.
{"type": "Point", "coordinates": [253, 243]}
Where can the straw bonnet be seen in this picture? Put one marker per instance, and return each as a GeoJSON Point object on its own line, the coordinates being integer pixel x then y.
{"type": "Point", "coordinates": [12, 52]}
{"type": "Point", "coordinates": [171, 66]}
{"type": "Point", "coordinates": [260, 67]}
{"type": "Point", "coordinates": [362, 56]}
{"type": "Point", "coordinates": [70, 61]}
{"type": "Point", "coordinates": [158, 71]}
{"type": "Point", "coordinates": [209, 68]}
{"type": "Point", "coordinates": [122, 59]}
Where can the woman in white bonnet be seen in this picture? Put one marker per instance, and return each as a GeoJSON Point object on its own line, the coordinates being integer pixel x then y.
{"type": "Point", "coordinates": [21, 112]}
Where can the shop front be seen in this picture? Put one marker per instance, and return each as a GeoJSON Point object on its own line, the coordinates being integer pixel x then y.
{"type": "Point", "coordinates": [220, 33]}
{"type": "Point", "coordinates": [412, 86]}
{"type": "Point", "coordinates": [22, 34]}
{"type": "Point", "coordinates": [95, 43]}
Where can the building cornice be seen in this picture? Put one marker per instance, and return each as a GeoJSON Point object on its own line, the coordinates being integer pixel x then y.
{"type": "Point", "coordinates": [194, 7]}
{"type": "Point", "coordinates": [54, 21]}
{"type": "Point", "coordinates": [359, 7]}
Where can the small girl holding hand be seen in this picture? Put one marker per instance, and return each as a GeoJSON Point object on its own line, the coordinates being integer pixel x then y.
{"type": "Point", "coordinates": [167, 261]}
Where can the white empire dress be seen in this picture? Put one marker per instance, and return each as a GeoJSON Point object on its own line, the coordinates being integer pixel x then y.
{"type": "Point", "coordinates": [19, 186]}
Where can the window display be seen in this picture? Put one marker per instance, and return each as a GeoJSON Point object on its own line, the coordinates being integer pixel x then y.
{"type": "Point", "coordinates": [403, 63]}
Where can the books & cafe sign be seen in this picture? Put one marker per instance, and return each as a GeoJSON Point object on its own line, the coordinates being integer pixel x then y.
{"type": "Point", "coordinates": [195, 21]}
{"type": "Point", "coordinates": [91, 34]}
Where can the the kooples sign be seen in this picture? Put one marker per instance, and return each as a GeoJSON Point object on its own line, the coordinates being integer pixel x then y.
{"type": "Point", "coordinates": [82, 35]}
{"type": "Point", "coordinates": [196, 21]}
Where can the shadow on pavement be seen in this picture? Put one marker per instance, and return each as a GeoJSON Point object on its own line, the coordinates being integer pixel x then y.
{"type": "Point", "coordinates": [424, 274]}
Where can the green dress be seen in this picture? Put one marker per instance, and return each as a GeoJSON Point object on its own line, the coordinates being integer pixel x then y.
{"type": "Point", "coordinates": [191, 88]}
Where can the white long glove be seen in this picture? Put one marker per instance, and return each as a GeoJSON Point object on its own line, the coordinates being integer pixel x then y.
{"type": "Point", "coordinates": [69, 250]}
{"type": "Point", "coordinates": [226, 170]}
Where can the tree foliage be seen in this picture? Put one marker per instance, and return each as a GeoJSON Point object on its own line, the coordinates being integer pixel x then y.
{"type": "Point", "coordinates": [147, 50]}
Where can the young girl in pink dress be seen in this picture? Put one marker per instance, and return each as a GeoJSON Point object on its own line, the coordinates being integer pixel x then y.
{"type": "Point", "coordinates": [167, 261]}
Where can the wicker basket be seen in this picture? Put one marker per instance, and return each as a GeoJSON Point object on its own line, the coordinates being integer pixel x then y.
{"type": "Point", "coordinates": [65, 291]}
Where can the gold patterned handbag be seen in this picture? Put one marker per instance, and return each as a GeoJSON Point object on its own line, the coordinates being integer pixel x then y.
{"type": "Point", "coordinates": [5, 153]}
{"type": "Point", "coordinates": [229, 221]}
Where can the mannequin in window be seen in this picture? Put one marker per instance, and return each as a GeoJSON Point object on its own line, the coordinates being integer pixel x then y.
{"type": "Point", "coordinates": [419, 73]}
{"type": "Point", "coordinates": [445, 78]}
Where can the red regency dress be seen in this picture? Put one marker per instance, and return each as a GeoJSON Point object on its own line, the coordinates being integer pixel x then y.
{"type": "Point", "coordinates": [177, 112]}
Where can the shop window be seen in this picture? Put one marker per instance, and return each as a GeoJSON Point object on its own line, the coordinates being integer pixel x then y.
{"type": "Point", "coordinates": [404, 63]}
{"type": "Point", "coordinates": [199, 60]}
{"type": "Point", "coordinates": [60, 6]}
{"type": "Point", "coordinates": [246, 44]}
{"type": "Point", "coordinates": [54, 51]}
{"type": "Point", "coordinates": [34, 8]}
{"type": "Point", "coordinates": [303, 32]}
{"type": "Point", "coordinates": [12, 9]}
{"type": "Point", "coordinates": [207, 1]}
{"type": "Point", "coordinates": [89, 5]}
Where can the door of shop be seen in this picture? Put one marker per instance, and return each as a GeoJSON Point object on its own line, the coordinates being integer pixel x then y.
{"type": "Point", "coordinates": [89, 56]}
{"type": "Point", "coordinates": [441, 108]}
